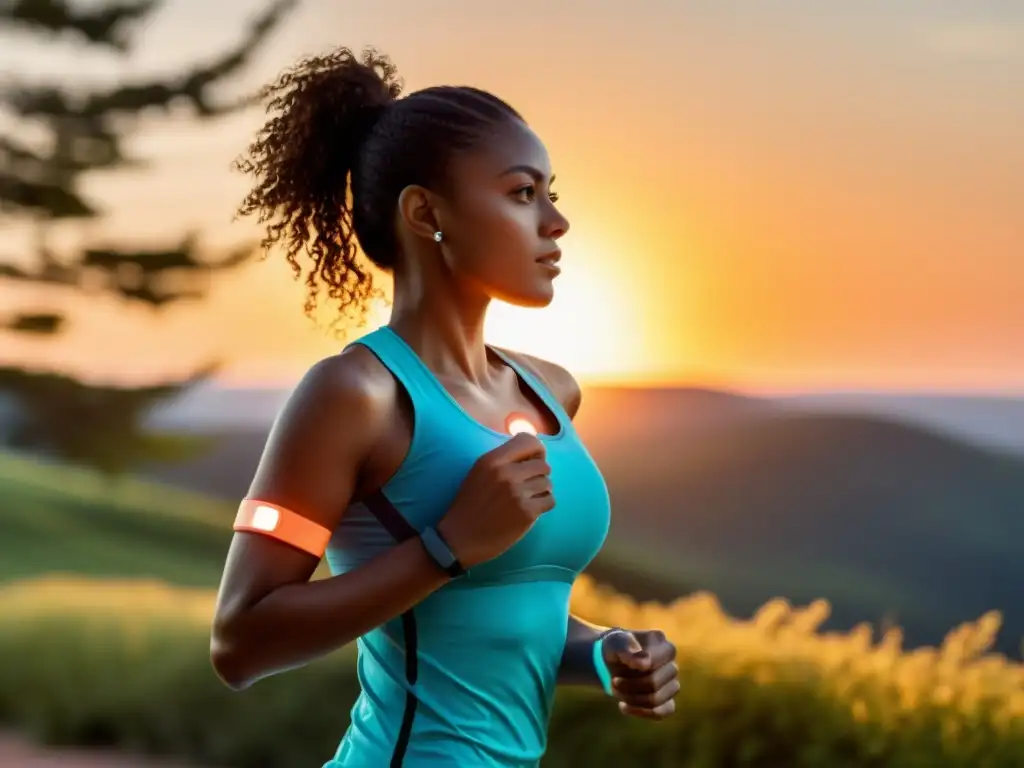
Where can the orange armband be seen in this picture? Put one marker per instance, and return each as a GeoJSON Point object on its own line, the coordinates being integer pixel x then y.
{"type": "Point", "coordinates": [262, 517]}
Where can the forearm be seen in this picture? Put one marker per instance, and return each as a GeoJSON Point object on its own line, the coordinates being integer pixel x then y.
{"type": "Point", "coordinates": [298, 623]}
{"type": "Point", "coordinates": [577, 667]}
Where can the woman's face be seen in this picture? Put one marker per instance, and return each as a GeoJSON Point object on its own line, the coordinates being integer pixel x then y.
{"type": "Point", "coordinates": [500, 224]}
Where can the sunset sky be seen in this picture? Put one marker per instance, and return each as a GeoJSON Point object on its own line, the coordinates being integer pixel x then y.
{"type": "Point", "coordinates": [784, 195]}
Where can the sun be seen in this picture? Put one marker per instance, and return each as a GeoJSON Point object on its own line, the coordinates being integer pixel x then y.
{"type": "Point", "coordinates": [590, 328]}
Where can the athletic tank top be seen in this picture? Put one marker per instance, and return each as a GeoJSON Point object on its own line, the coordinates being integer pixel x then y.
{"type": "Point", "coordinates": [467, 677]}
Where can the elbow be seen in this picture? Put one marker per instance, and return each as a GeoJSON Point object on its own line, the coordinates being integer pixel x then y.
{"type": "Point", "coordinates": [228, 669]}
{"type": "Point", "coordinates": [229, 659]}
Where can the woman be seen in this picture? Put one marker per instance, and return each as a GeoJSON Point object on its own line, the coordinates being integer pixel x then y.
{"type": "Point", "coordinates": [453, 545]}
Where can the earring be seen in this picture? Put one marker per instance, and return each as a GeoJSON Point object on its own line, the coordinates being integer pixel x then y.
{"type": "Point", "coordinates": [438, 236]}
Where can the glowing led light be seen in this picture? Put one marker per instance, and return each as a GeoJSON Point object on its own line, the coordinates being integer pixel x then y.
{"type": "Point", "coordinates": [265, 518]}
{"type": "Point", "coordinates": [518, 423]}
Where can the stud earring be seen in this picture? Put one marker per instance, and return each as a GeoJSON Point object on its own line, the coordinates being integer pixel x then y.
{"type": "Point", "coordinates": [438, 236]}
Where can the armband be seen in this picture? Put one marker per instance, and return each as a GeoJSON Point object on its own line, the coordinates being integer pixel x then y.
{"type": "Point", "coordinates": [255, 516]}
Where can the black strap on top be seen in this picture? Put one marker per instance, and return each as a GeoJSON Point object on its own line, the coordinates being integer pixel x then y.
{"type": "Point", "coordinates": [394, 522]}
{"type": "Point", "coordinates": [387, 514]}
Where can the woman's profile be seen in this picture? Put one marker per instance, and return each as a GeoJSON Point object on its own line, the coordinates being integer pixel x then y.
{"type": "Point", "coordinates": [453, 545]}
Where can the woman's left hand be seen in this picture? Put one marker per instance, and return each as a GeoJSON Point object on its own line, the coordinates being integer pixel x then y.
{"type": "Point", "coordinates": [645, 678]}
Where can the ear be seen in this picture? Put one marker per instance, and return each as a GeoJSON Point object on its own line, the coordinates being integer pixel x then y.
{"type": "Point", "coordinates": [418, 212]}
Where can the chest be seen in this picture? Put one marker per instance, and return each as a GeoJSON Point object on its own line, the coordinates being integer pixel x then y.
{"type": "Point", "coordinates": [567, 537]}
{"type": "Point", "coordinates": [571, 534]}
{"type": "Point", "coordinates": [493, 410]}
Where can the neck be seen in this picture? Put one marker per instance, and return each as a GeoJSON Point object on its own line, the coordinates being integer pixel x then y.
{"type": "Point", "coordinates": [444, 324]}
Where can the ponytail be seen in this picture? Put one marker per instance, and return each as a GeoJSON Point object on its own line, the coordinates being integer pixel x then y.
{"type": "Point", "coordinates": [337, 150]}
{"type": "Point", "coordinates": [321, 112]}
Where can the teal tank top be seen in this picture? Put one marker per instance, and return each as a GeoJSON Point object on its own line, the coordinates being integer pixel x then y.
{"type": "Point", "coordinates": [467, 677]}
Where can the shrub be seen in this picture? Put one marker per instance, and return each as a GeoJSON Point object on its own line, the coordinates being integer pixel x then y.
{"type": "Point", "coordinates": [126, 665]}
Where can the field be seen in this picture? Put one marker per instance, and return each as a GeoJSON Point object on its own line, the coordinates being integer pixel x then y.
{"type": "Point", "coordinates": [111, 650]}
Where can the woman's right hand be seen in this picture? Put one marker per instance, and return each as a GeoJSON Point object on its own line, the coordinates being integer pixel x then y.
{"type": "Point", "coordinates": [504, 493]}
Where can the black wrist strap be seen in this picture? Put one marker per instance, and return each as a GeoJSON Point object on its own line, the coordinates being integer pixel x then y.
{"type": "Point", "coordinates": [394, 522]}
{"type": "Point", "coordinates": [441, 553]}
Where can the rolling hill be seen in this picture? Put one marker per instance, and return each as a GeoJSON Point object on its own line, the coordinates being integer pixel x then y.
{"type": "Point", "coordinates": [62, 520]}
{"type": "Point", "coordinates": [992, 420]}
{"type": "Point", "coordinates": [752, 500]}
{"type": "Point", "coordinates": [886, 520]}
{"type": "Point", "coordinates": [711, 490]}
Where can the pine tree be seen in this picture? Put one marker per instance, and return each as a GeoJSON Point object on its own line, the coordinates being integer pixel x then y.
{"type": "Point", "coordinates": [53, 413]}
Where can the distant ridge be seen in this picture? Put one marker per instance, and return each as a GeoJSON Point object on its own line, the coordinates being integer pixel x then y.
{"type": "Point", "coordinates": [991, 421]}
{"type": "Point", "coordinates": [995, 421]}
{"type": "Point", "coordinates": [882, 517]}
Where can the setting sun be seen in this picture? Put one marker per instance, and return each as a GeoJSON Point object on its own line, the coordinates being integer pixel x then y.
{"type": "Point", "coordinates": [590, 328]}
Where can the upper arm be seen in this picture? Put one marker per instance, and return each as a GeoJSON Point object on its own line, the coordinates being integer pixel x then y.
{"type": "Point", "coordinates": [311, 466]}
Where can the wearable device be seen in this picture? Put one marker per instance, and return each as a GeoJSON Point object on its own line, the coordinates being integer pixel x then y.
{"type": "Point", "coordinates": [441, 553]}
{"type": "Point", "coordinates": [517, 423]}
{"type": "Point", "coordinates": [273, 520]}
{"type": "Point", "coordinates": [600, 666]}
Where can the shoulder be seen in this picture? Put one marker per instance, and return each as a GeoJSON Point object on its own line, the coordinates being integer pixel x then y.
{"type": "Point", "coordinates": [352, 388]}
{"type": "Point", "coordinates": [335, 418]}
{"type": "Point", "coordinates": [561, 383]}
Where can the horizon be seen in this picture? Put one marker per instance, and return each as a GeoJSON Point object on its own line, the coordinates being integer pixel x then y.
{"type": "Point", "coordinates": [980, 392]}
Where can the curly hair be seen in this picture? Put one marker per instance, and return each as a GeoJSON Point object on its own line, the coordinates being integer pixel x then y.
{"type": "Point", "coordinates": [337, 150]}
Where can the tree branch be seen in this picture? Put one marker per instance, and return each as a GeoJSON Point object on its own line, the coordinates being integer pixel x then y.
{"type": "Point", "coordinates": [40, 324]}
{"type": "Point", "coordinates": [55, 201]}
{"type": "Point", "coordinates": [104, 25]}
{"type": "Point", "coordinates": [153, 277]}
{"type": "Point", "coordinates": [53, 102]}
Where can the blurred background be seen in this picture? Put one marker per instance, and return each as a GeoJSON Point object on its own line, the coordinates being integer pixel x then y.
{"type": "Point", "coordinates": [793, 290]}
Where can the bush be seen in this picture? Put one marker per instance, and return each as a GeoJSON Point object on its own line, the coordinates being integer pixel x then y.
{"type": "Point", "coordinates": [127, 665]}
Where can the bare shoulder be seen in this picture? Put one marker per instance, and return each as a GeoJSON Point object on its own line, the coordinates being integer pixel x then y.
{"type": "Point", "coordinates": [352, 386]}
{"type": "Point", "coordinates": [353, 377]}
{"type": "Point", "coordinates": [331, 422]}
{"type": "Point", "coordinates": [557, 378]}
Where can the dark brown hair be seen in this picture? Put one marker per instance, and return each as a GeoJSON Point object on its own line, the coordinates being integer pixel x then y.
{"type": "Point", "coordinates": [336, 152]}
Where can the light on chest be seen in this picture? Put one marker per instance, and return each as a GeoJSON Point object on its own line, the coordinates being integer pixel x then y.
{"type": "Point", "coordinates": [517, 423]}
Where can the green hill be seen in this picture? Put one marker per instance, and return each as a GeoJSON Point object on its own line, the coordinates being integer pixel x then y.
{"type": "Point", "coordinates": [59, 519]}
{"type": "Point", "coordinates": [62, 520]}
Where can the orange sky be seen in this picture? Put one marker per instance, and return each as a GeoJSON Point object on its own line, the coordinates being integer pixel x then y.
{"type": "Point", "coordinates": [784, 198]}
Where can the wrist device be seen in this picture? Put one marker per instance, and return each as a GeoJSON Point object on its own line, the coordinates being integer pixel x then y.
{"type": "Point", "coordinates": [441, 553]}
{"type": "Point", "coordinates": [600, 666]}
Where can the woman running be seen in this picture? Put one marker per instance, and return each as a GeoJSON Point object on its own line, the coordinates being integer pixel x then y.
{"type": "Point", "coordinates": [453, 545]}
